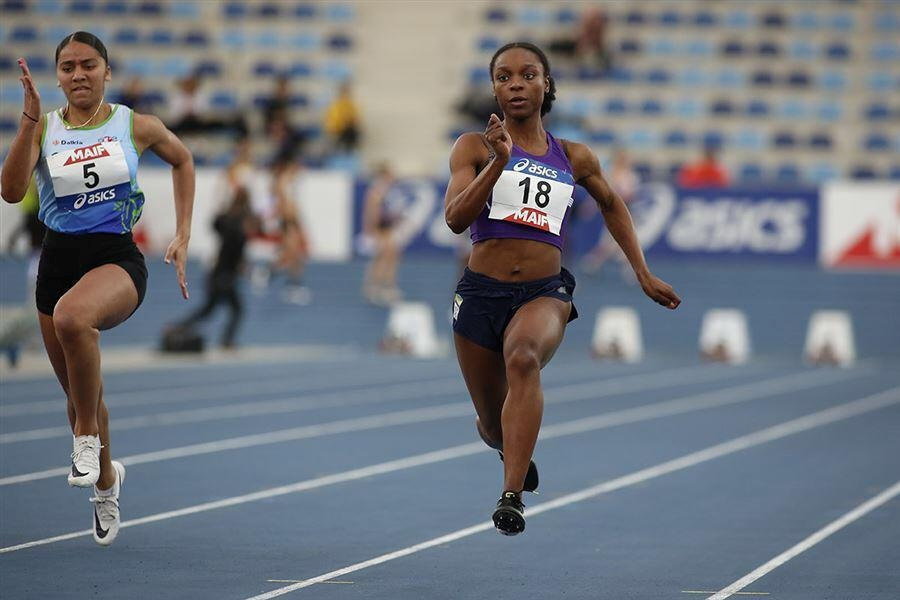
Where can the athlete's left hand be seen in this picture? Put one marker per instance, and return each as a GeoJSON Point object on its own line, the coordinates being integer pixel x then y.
{"type": "Point", "coordinates": [659, 291]}
{"type": "Point", "coordinates": [177, 251]}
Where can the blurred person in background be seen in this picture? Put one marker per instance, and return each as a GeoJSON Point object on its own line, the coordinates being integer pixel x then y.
{"type": "Point", "coordinates": [342, 121]}
{"type": "Point", "coordinates": [190, 112]}
{"type": "Point", "coordinates": [293, 246]}
{"type": "Point", "coordinates": [233, 226]}
{"type": "Point", "coordinates": [91, 276]}
{"type": "Point", "coordinates": [278, 104]}
{"type": "Point", "coordinates": [380, 220]}
{"type": "Point", "coordinates": [512, 185]}
{"type": "Point", "coordinates": [134, 96]}
{"type": "Point", "coordinates": [239, 172]}
{"type": "Point", "coordinates": [624, 181]}
{"type": "Point", "coordinates": [707, 172]}
{"type": "Point", "coordinates": [588, 44]}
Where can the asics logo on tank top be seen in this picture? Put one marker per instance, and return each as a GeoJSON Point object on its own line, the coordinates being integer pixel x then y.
{"type": "Point", "coordinates": [535, 169]}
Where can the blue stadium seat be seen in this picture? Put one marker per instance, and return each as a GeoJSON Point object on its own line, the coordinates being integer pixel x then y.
{"type": "Point", "coordinates": [234, 39]}
{"type": "Point", "coordinates": [822, 172]}
{"type": "Point", "coordinates": [787, 173]}
{"type": "Point", "coordinates": [339, 13]}
{"type": "Point", "coordinates": [8, 126]}
{"type": "Point", "coordinates": [587, 73]}
{"type": "Point", "coordinates": [863, 172]}
{"type": "Point", "coordinates": [738, 19]}
{"type": "Point", "coordinates": [721, 107]}
{"type": "Point", "coordinates": [23, 34]}
{"type": "Point", "coordinates": [643, 170]}
{"type": "Point", "coordinates": [806, 20]}
{"type": "Point", "coordinates": [115, 7]}
{"type": "Point", "coordinates": [196, 38]}
{"type": "Point", "coordinates": [155, 97]}
{"type": "Point", "coordinates": [496, 15]}
{"type": "Point", "coordinates": [479, 75]}
{"type": "Point", "coordinates": [730, 78]}
{"type": "Point", "coordinates": [48, 7]}
{"type": "Point", "coordinates": [305, 11]}
{"type": "Point", "coordinates": [773, 19]}
{"type": "Point", "coordinates": [749, 138]}
{"type": "Point", "coordinates": [209, 67]}
{"type": "Point", "coordinates": [837, 51]}
{"type": "Point", "coordinates": [566, 16]}
{"type": "Point", "coordinates": [676, 139]}
{"type": "Point", "coordinates": [700, 47]}
{"type": "Point", "coordinates": [833, 81]}
{"type": "Point", "coordinates": [174, 66]}
{"type": "Point", "coordinates": [300, 69]}
{"type": "Point", "coordinates": [40, 64]}
{"type": "Point", "coordinates": [877, 142]}
{"type": "Point", "coordinates": [336, 70]}
{"type": "Point", "coordinates": [793, 109]}
{"type": "Point", "coordinates": [762, 78]}
{"type": "Point", "coordinates": [140, 66]}
{"type": "Point", "coordinates": [798, 78]}
{"type": "Point", "coordinates": [687, 108]}
{"type": "Point", "coordinates": [616, 106]}
{"type": "Point", "coordinates": [305, 40]}
{"type": "Point", "coordinates": [895, 172]}
{"type": "Point", "coordinates": [881, 81]}
{"type": "Point", "coordinates": [844, 22]}
{"type": "Point", "coordinates": [768, 49]}
{"type": "Point", "coordinates": [651, 106]}
{"type": "Point", "coordinates": [235, 10]}
{"type": "Point", "coordinates": [185, 9]}
{"type": "Point", "coordinates": [630, 46]}
{"type": "Point", "coordinates": [54, 34]}
{"type": "Point", "coordinates": [128, 36]}
{"type": "Point", "coordinates": [161, 37]}
{"type": "Point", "coordinates": [673, 170]}
{"type": "Point", "coordinates": [658, 76]}
{"type": "Point", "coordinates": [670, 18]}
{"type": "Point", "coordinates": [635, 17]}
{"type": "Point", "coordinates": [267, 38]}
{"type": "Point", "coordinates": [821, 141]}
{"type": "Point", "coordinates": [265, 68]}
{"type": "Point", "coordinates": [488, 43]}
{"type": "Point", "coordinates": [784, 140]}
{"type": "Point", "coordinates": [714, 139]}
{"type": "Point", "coordinates": [620, 74]}
{"type": "Point", "coordinates": [829, 111]}
{"type": "Point", "coordinates": [705, 19]}
{"type": "Point", "coordinates": [662, 46]}
{"type": "Point", "coordinates": [877, 111]}
{"type": "Point", "coordinates": [532, 16]}
{"type": "Point", "coordinates": [340, 42]}
{"type": "Point", "coordinates": [886, 20]}
{"type": "Point", "coordinates": [268, 10]}
{"type": "Point", "coordinates": [14, 6]}
{"type": "Point", "coordinates": [224, 100]}
{"type": "Point", "coordinates": [803, 49]}
{"type": "Point", "coordinates": [150, 8]}
{"type": "Point", "coordinates": [733, 47]}
{"type": "Point", "coordinates": [82, 7]}
{"type": "Point", "coordinates": [603, 137]}
{"type": "Point", "coordinates": [750, 172]}
{"type": "Point", "coordinates": [884, 51]}
{"type": "Point", "coordinates": [758, 108]}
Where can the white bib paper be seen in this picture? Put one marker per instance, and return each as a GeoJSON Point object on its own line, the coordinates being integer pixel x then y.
{"type": "Point", "coordinates": [532, 194]}
{"type": "Point", "coordinates": [90, 175]}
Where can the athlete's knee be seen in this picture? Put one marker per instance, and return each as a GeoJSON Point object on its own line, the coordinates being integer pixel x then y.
{"type": "Point", "coordinates": [522, 360]}
{"type": "Point", "coordinates": [70, 322]}
{"type": "Point", "coordinates": [490, 432]}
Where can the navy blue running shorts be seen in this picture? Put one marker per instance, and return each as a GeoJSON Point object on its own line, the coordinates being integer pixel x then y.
{"type": "Point", "coordinates": [66, 258]}
{"type": "Point", "coordinates": [483, 306]}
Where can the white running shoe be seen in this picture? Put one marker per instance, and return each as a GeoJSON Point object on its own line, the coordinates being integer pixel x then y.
{"type": "Point", "coordinates": [85, 461]}
{"type": "Point", "coordinates": [106, 509]}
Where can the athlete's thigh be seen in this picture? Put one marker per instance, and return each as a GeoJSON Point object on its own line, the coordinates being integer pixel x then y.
{"type": "Point", "coordinates": [105, 296]}
{"type": "Point", "coordinates": [54, 350]}
{"type": "Point", "coordinates": [484, 373]}
{"type": "Point", "coordinates": [539, 325]}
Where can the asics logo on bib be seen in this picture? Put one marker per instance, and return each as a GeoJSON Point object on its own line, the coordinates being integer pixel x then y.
{"type": "Point", "coordinates": [86, 153]}
{"type": "Point", "coordinates": [94, 197]}
{"type": "Point", "coordinates": [535, 169]}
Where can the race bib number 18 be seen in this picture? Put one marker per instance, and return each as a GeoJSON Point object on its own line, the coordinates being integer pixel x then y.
{"type": "Point", "coordinates": [533, 194]}
{"type": "Point", "coordinates": [90, 176]}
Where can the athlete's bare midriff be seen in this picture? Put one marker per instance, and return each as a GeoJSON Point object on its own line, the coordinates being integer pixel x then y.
{"type": "Point", "coordinates": [510, 259]}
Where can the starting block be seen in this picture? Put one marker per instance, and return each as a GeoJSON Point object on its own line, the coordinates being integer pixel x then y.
{"type": "Point", "coordinates": [829, 339]}
{"type": "Point", "coordinates": [724, 336]}
{"type": "Point", "coordinates": [617, 335]}
{"type": "Point", "coordinates": [410, 330]}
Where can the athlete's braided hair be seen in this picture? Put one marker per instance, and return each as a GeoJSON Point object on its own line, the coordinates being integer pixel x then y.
{"type": "Point", "coordinates": [549, 96]}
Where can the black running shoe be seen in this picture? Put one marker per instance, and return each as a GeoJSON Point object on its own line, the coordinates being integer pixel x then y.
{"type": "Point", "coordinates": [531, 477]}
{"type": "Point", "coordinates": [509, 516]}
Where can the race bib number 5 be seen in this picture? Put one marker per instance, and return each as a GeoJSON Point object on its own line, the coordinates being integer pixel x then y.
{"type": "Point", "coordinates": [89, 176]}
{"type": "Point", "coordinates": [533, 194]}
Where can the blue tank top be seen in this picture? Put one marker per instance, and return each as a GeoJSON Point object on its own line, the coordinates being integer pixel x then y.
{"type": "Point", "coordinates": [87, 177]}
{"type": "Point", "coordinates": [530, 200]}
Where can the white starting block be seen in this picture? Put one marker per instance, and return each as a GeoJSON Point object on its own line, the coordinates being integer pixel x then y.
{"type": "Point", "coordinates": [829, 339]}
{"type": "Point", "coordinates": [724, 336]}
{"type": "Point", "coordinates": [617, 335]}
{"type": "Point", "coordinates": [410, 330]}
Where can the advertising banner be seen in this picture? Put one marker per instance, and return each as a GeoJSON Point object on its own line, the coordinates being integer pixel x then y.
{"type": "Point", "coordinates": [861, 225]}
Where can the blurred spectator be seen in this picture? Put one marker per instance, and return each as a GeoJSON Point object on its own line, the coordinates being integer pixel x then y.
{"type": "Point", "coordinates": [477, 105]}
{"type": "Point", "coordinates": [285, 140]}
{"type": "Point", "coordinates": [189, 111]}
{"type": "Point", "coordinates": [134, 96]}
{"type": "Point", "coordinates": [380, 220]}
{"type": "Point", "coordinates": [624, 181]}
{"type": "Point", "coordinates": [588, 43]}
{"type": "Point", "coordinates": [342, 121]}
{"type": "Point", "coordinates": [707, 172]}
{"type": "Point", "coordinates": [278, 105]}
{"type": "Point", "coordinates": [232, 226]}
{"type": "Point", "coordinates": [293, 249]}
{"type": "Point", "coordinates": [239, 172]}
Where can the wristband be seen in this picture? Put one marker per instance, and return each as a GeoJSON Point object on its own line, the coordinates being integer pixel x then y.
{"type": "Point", "coordinates": [29, 116]}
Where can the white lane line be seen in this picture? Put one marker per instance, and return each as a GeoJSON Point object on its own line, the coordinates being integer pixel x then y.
{"type": "Point", "coordinates": [602, 421]}
{"type": "Point", "coordinates": [356, 396]}
{"type": "Point", "coordinates": [833, 527]}
{"type": "Point", "coordinates": [219, 390]}
{"type": "Point", "coordinates": [564, 394]}
{"type": "Point", "coordinates": [762, 436]}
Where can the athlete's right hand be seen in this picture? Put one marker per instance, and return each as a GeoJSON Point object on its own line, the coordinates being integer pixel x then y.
{"type": "Point", "coordinates": [498, 138]}
{"type": "Point", "coordinates": [32, 105]}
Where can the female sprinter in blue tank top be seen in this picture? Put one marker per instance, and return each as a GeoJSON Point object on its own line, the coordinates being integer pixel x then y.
{"type": "Point", "coordinates": [512, 185]}
{"type": "Point", "coordinates": [91, 275]}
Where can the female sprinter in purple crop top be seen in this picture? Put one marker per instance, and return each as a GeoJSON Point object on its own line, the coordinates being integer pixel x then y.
{"type": "Point", "coordinates": [512, 185]}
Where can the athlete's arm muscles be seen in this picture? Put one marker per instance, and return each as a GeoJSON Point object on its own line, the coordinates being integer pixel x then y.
{"type": "Point", "coordinates": [468, 189]}
{"type": "Point", "coordinates": [586, 172]}
{"type": "Point", "coordinates": [21, 160]}
{"type": "Point", "coordinates": [150, 133]}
